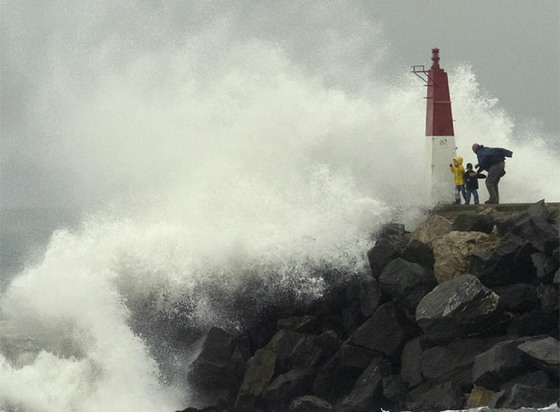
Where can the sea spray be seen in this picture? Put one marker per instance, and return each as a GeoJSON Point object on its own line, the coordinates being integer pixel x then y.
{"type": "Point", "coordinates": [226, 173]}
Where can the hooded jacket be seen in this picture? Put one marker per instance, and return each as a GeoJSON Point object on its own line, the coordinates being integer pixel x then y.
{"type": "Point", "coordinates": [458, 171]}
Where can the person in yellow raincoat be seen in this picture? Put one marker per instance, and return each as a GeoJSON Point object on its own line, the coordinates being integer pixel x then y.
{"type": "Point", "coordinates": [458, 171]}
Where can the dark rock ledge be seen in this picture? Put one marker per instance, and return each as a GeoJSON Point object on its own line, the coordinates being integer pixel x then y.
{"type": "Point", "coordinates": [483, 332]}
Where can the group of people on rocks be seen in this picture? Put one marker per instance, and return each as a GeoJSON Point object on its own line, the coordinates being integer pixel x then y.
{"type": "Point", "coordinates": [490, 159]}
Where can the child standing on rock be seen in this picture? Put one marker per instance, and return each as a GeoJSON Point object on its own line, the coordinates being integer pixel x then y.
{"type": "Point", "coordinates": [471, 184]}
{"type": "Point", "coordinates": [458, 171]}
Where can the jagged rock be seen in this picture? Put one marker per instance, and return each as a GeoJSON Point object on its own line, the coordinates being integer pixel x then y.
{"type": "Point", "coordinates": [395, 231]}
{"type": "Point", "coordinates": [509, 263]}
{"type": "Point", "coordinates": [479, 397]}
{"type": "Point", "coordinates": [536, 379]}
{"type": "Point", "coordinates": [288, 386]}
{"type": "Point", "coordinates": [536, 322]}
{"type": "Point", "coordinates": [411, 360]}
{"type": "Point", "coordinates": [395, 389]}
{"type": "Point", "coordinates": [521, 395]}
{"type": "Point", "coordinates": [419, 252]}
{"type": "Point", "coordinates": [384, 251]}
{"type": "Point", "coordinates": [301, 324]}
{"type": "Point", "coordinates": [214, 367]}
{"type": "Point", "coordinates": [548, 296]}
{"type": "Point", "coordinates": [536, 226]}
{"type": "Point", "coordinates": [305, 353]}
{"type": "Point", "coordinates": [454, 362]}
{"type": "Point", "coordinates": [328, 342]}
{"type": "Point", "coordinates": [310, 403]}
{"type": "Point", "coordinates": [260, 369]}
{"type": "Point", "coordinates": [452, 253]}
{"type": "Point", "coordinates": [332, 321]}
{"type": "Point", "coordinates": [519, 297]}
{"type": "Point", "coordinates": [432, 229]}
{"type": "Point", "coordinates": [457, 308]}
{"type": "Point", "coordinates": [352, 317]}
{"type": "Point", "coordinates": [337, 377]}
{"type": "Point", "coordinates": [545, 265]}
{"type": "Point", "coordinates": [473, 222]}
{"type": "Point", "coordinates": [293, 350]}
{"type": "Point", "coordinates": [544, 353]}
{"type": "Point", "coordinates": [386, 331]}
{"type": "Point", "coordinates": [367, 293]}
{"type": "Point", "coordinates": [499, 364]}
{"type": "Point", "coordinates": [407, 282]}
{"type": "Point", "coordinates": [540, 210]}
{"type": "Point", "coordinates": [367, 388]}
{"type": "Point", "coordinates": [438, 398]}
{"type": "Point", "coordinates": [261, 333]}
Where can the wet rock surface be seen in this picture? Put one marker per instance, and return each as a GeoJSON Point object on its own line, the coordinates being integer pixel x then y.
{"type": "Point", "coordinates": [393, 338]}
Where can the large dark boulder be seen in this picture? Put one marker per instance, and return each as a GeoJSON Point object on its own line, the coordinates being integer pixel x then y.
{"type": "Point", "coordinates": [540, 210]}
{"type": "Point", "coordinates": [524, 396]}
{"type": "Point", "coordinates": [260, 370]}
{"type": "Point", "coordinates": [458, 308]}
{"type": "Point", "coordinates": [367, 293]}
{"type": "Point", "coordinates": [395, 389]}
{"type": "Point", "coordinates": [301, 324]}
{"type": "Point", "coordinates": [419, 252]}
{"type": "Point", "coordinates": [536, 322]}
{"type": "Point", "coordinates": [328, 342]}
{"type": "Point", "coordinates": [440, 397]}
{"type": "Point", "coordinates": [214, 367]}
{"type": "Point", "coordinates": [288, 386]}
{"type": "Point", "coordinates": [293, 350]}
{"type": "Point", "coordinates": [411, 360]}
{"type": "Point", "coordinates": [545, 265]}
{"type": "Point", "coordinates": [454, 362]}
{"type": "Point", "coordinates": [473, 222]}
{"type": "Point", "coordinates": [543, 353]}
{"type": "Point", "coordinates": [536, 379]}
{"type": "Point", "coordinates": [394, 231]}
{"type": "Point", "coordinates": [386, 331]}
{"type": "Point", "coordinates": [548, 296]}
{"type": "Point", "coordinates": [337, 377]}
{"type": "Point", "coordinates": [509, 263]}
{"type": "Point", "coordinates": [384, 251]}
{"type": "Point", "coordinates": [499, 364]}
{"type": "Point", "coordinates": [352, 317]}
{"type": "Point", "coordinates": [309, 403]}
{"type": "Point", "coordinates": [368, 388]}
{"type": "Point", "coordinates": [406, 281]}
{"type": "Point", "coordinates": [519, 297]}
{"type": "Point", "coordinates": [535, 225]}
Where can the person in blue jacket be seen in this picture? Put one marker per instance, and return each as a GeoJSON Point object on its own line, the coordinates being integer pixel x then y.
{"type": "Point", "coordinates": [491, 159]}
{"type": "Point", "coordinates": [471, 184]}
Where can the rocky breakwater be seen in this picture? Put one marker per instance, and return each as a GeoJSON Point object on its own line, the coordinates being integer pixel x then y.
{"type": "Point", "coordinates": [461, 313]}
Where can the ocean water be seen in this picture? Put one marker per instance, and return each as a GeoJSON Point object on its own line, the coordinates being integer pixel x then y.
{"type": "Point", "coordinates": [223, 172]}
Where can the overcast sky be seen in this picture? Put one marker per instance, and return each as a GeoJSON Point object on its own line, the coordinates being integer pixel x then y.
{"type": "Point", "coordinates": [513, 47]}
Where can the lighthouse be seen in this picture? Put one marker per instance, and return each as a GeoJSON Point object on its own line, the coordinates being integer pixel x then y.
{"type": "Point", "coordinates": [440, 138]}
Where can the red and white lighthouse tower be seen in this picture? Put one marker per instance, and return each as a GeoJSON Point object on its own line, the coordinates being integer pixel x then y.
{"type": "Point", "coordinates": [440, 138]}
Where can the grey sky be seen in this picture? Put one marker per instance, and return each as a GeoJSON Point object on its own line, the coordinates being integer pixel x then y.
{"type": "Point", "coordinates": [512, 45]}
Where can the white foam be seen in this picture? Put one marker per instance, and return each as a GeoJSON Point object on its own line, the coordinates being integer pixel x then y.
{"type": "Point", "coordinates": [223, 161]}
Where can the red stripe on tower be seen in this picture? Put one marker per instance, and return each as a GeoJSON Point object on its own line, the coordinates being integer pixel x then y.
{"type": "Point", "coordinates": [439, 120]}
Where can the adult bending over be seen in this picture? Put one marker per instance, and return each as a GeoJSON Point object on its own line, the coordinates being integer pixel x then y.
{"type": "Point", "coordinates": [491, 159]}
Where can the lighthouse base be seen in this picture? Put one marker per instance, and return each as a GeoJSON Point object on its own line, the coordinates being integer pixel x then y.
{"type": "Point", "coordinates": [440, 151]}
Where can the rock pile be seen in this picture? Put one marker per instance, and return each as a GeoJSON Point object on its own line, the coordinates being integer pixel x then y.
{"type": "Point", "coordinates": [482, 332]}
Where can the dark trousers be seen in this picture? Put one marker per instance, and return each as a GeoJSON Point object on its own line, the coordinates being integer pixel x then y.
{"type": "Point", "coordinates": [495, 173]}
